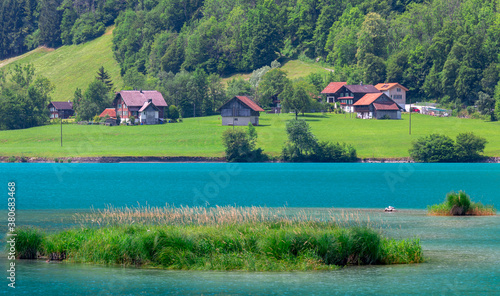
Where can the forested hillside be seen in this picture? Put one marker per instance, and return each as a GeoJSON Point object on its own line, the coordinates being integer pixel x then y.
{"type": "Point", "coordinates": [443, 50]}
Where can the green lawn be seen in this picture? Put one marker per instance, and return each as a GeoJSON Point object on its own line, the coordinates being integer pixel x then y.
{"type": "Point", "coordinates": [72, 66]}
{"type": "Point", "coordinates": [202, 136]}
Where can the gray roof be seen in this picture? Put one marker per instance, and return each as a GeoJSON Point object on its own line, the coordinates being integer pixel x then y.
{"type": "Point", "coordinates": [362, 88]}
{"type": "Point", "coordinates": [62, 105]}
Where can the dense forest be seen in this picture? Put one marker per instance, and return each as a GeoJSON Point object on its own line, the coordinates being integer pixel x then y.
{"type": "Point", "coordinates": [442, 50]}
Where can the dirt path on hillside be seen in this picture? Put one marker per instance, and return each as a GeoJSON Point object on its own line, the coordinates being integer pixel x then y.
{"type": "Point", "coordinates": [39, 49]}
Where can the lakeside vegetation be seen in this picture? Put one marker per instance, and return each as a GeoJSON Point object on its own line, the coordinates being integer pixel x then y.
{"type": "Point", "coordinates": [202, 136]}
{"type": "Point", "coordinates": [220, 238]}
{"type": "Point", "coordinates": [460, 204]}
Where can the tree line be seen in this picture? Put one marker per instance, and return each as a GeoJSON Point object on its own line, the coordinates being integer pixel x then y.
{"type": "Point", "coordinates": [442, 50]}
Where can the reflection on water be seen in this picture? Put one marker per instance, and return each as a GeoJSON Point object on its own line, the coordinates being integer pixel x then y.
{"type": "Point", "coordinates": [463, 255]}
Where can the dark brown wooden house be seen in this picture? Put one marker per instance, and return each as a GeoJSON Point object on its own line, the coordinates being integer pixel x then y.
{"type": "Point", "coordinates": [128, 103]}
{"type": "Point", "coordinates": [61, 109]}
{"type": "Point", "coordinates": [240, 110]}
{"type": "Point", "coordinates": [378, 106]}
{"type": "Point", "coordinates": [347, 94]}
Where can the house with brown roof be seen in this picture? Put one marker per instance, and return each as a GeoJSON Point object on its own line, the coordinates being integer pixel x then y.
{"type": "Point", "coordinates": [377, 105]}
{"type": "Point", "coordinates": [347, 94]}
{"type": "Point", "coordinates": [240, 110]}
{"type": "Point", "coordinates": [395, 91]}
{"type": "Point", "coordinates": [60, 109]}
{"type": "Point", "coordinates": [147, 106]}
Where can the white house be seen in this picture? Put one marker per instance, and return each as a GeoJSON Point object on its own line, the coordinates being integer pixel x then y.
{"type": "Point", "coordinates": [395, 91]}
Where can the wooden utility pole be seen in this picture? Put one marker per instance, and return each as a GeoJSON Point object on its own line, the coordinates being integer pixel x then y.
{"type": "Point", "coordinates": [61, 118]}
{"type": "Point", "coordinates": [410, 117]}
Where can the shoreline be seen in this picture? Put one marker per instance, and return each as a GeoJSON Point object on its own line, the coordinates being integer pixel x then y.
{"type": "Point", "coordinates": [190, 159]}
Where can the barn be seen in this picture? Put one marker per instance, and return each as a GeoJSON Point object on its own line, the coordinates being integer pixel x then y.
{"type": "Point", "coordinates": [377, 105]}
{"type": "Point", "coordinates": [240, 110]}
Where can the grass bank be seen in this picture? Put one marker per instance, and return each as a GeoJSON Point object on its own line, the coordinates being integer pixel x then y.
{"type": "Point", "coordinates": [222, 238]}
{"type": "Point", "coordinates": [202, 136]}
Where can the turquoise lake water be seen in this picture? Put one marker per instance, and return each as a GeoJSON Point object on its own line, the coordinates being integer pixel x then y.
{"type": "Point", "coordinates": [462, 253]}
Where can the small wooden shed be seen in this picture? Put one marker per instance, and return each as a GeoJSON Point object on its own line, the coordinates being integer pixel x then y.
{"type": "Point", "coordinates": [240, 110]}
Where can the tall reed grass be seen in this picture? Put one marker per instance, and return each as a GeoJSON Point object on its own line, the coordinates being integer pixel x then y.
{"type": "Point", "coordinates": [226, 238]}
{"type": "Point", "coordinates": [218, 215]}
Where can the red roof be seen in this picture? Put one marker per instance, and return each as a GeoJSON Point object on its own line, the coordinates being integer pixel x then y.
{"type": "Point", "coordinates": [136, 98]}
{"type": "Point", "coordinates": [251, 104]}
{"type": "Point", "coordinates": [62, 105]}
{"type": "Point", "coordinates": [387, 86]}
{"type": "Point", "coordinates": [333, 87]}
{"type": "Point", "coordinates": [388, 107]}
{"type": "Point", "coordinates": [368, 99]}
{"type": "Point", "coordinates": [108, 111]}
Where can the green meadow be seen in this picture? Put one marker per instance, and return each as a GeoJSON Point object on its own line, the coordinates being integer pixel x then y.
{"type": "Point", "coordinates": [202, 136]}
{"type": "Point", "coordinates": [72, 66]}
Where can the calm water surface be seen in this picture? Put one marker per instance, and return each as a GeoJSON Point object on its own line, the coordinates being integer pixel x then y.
{"type": "Point", "coordinates": [463, 254]}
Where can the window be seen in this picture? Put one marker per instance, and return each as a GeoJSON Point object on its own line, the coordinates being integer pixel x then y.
{"type": "Point", "coordinates": [398, 89]}
{"type": "Point", "coordinates": [119, 106]}
{"type": "Point", "coordinates": [56, 115]}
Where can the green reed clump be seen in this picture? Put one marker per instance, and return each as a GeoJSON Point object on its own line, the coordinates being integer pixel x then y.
{"type": "Point", "coordinates": [29, 242]}
{"type": "Point", "coordinates": [459, 204]}
{"type": "Point", "coordinates": [258, 246]}
{"type": "Point", "coordinates": [403, 251]}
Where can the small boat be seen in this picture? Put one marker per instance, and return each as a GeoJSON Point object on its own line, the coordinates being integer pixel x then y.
{"type": "Point", "coordinates": [389, 209]}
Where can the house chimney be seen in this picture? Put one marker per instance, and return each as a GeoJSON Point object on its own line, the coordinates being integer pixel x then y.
{"type": "Point", "coordinates": [141, 90]}
{"type": "Point", "coordinates": [361, 83]}
{"type": "Point", "coordinates": [150, 100]}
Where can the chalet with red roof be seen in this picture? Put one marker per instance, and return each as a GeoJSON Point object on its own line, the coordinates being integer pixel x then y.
{"type": "Point", "coordinates": [395, 91]}
{"type": "Point", "coordinates": [240, 110]}
{"type": "Point", "coordinates": [60, 109]}
{"type": "Point", "coordinates": [331, 91]}
{"type": "Point", "coordinates": [147, 106]}
{"type": "Point", "coordinates": [377, 105]}
{"type": "Point", "coordinates": [347, 94]}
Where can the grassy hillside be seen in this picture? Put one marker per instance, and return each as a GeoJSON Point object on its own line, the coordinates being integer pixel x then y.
{"type": "Point", "coordinates": [72, 66]}
{"type": "Point", "coordinates": [202, 136]}
{"type": "Point", "coordinates": [293, 68]}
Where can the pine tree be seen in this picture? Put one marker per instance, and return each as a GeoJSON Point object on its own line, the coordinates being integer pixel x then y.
{"type": "Point", "coordinates": [103, 76]}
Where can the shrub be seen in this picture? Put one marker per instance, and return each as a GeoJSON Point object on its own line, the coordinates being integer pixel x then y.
{"type": "Point", "coordinates": [433, 148]}
{"type": "Point", "coordinates": [302, 146]}
{"type": "Point", "coordinates": [468, 146]}
{"type": "Point", "coordinates": [441, 148]}
{"type": "Point", "coordinates": [11, 159]}
{"type": "Point", "coordinates": [240, 146]}
{"type": "Point", "coordinates": [173, 113]}
{"type": "Point", "coordinates": [131, 120]}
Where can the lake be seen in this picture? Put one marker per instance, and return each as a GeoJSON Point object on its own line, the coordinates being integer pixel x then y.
{"type": "Point", "coordinates": [462, 253]}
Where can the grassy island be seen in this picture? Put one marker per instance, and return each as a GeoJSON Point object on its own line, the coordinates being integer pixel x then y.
{"type": "Point", "coordinates": [460, 204]}
{"type": "Point", "coordinates": [216, 239]}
